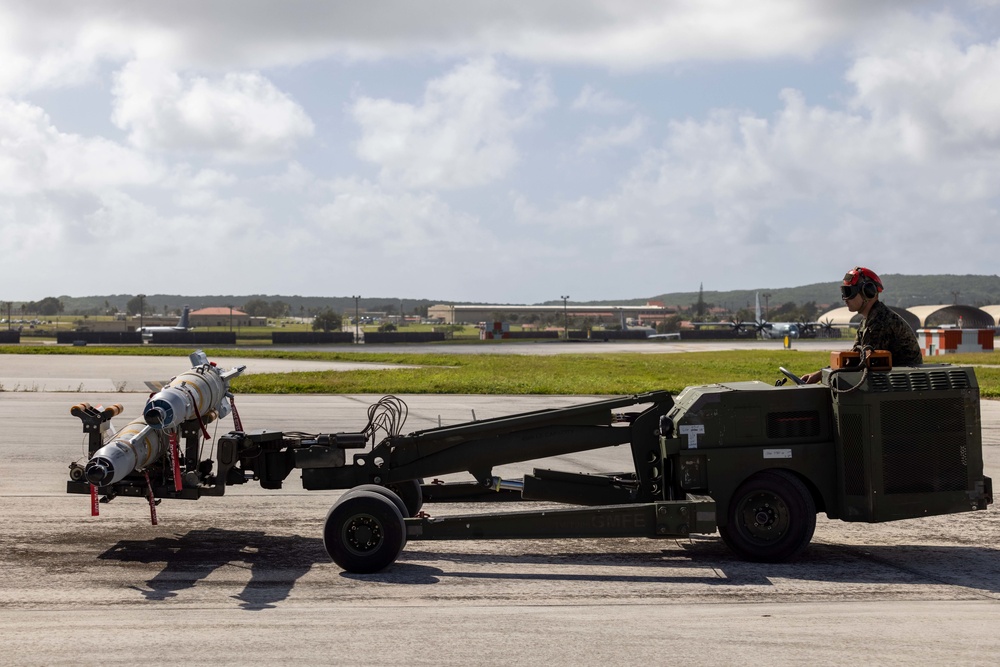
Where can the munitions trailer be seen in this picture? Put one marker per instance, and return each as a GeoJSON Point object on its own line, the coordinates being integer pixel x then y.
{"type": "Point", "coordinates": [754, 461]}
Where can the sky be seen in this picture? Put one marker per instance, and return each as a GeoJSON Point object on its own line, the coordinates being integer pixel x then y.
{"type": "Point", "coordinates": [493, 151]}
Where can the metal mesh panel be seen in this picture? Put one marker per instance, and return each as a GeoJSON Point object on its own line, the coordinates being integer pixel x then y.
{"type": "Point", "coordinates": [852, 438]}
{"type": "Point", "coordinates": [924, 446]}
{"type": "Point", "coordinates": [936, 380]}
{"type": "Point", "coordinates": [801, 424]}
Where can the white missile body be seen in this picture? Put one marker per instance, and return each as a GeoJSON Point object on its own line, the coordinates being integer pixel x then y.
{"type": "Point", "coordinates": [191, 395]}
{"type": "Point", "coordinates": [199, 393]}
{"type": "Point", "coordinates": [132, 448]}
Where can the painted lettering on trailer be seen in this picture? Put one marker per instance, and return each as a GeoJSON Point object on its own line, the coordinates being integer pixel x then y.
{"type": "Point", "coordinates": [777, 453]}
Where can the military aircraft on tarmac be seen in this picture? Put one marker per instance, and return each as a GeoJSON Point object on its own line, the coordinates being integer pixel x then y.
{"type": "Point", "coordinates": [183, 324]}
{"type": "Point", "coordinates": [762, 328]}
{"type": "Point", "coordinates": [801, 329]}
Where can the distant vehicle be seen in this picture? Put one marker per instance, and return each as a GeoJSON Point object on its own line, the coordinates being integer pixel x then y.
{"type": "Point", "coordinates": [183, 324]}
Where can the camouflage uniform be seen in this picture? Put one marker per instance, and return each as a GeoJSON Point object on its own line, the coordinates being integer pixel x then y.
{"type": "Point", "coordinates": [883, 329]}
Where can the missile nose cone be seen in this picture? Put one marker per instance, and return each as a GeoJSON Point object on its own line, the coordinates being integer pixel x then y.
{"type": "Point", "coordinates": [98, 472]}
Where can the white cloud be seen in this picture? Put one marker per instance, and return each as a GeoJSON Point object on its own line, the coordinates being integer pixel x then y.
{"type": "Point", "coordinates": [599, 101]}
{"type": "Point", "coordinates": [64, 42]}
{"type": "Point", "coordinates": [240, 117]}
{"type": "Point", "coordinates": [460, 135]}
{"type": "Point", "coordinates": [361, 214]}
{"type": "Point", "coordinates": [942, 95]}
{"type": "Point", "coordinates": [909, 168]}
{"type": "Point", "coordinates": [220, 155]}
{"type": "Point", "coordinates": [36, 157]}
{"type": "Point", "coordinates": [615, 137]}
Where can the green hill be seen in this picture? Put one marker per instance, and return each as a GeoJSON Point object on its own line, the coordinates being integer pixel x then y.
{"type": "Point", "coordinates": [901, 290]}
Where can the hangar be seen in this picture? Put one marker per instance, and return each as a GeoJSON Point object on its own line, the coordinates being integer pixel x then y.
{"type": "Point", "coordinates": [963, 317]}
{"type": "Point", "coordinates": [843, 317]}
{"type": "Point", "coordinates": [921, 317]}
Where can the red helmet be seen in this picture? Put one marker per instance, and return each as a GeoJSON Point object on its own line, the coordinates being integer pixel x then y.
{"type": "Point", "coordinates": [860, 279]}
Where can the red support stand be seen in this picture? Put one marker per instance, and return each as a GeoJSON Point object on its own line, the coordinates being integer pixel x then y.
{"type": "Point", "coordinates": [152, 501]}
{"type": "Point", "coordinates": [175, 457]}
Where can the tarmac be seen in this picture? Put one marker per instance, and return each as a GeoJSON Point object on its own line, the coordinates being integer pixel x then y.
{"type": "Point", "coordinates": [245, 577]}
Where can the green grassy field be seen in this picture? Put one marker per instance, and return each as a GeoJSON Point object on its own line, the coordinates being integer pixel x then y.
{"type": "Point", "coordinates": [619, 373]}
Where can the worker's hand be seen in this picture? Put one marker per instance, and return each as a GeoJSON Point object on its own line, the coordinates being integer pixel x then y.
{"type": "Point", "coordinates": [812, 378]}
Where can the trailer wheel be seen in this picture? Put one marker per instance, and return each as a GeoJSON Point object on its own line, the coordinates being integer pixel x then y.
{"type": "Point", "coordinates": [364, 532]}
{"type": "Point", "coordinates": [382, 491]}
{"type": "Point", "coordinates": [772, 517]}
{"type": "Point", "coordinates": [411, 494]}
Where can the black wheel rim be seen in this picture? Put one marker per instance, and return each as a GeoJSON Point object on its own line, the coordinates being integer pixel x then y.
{"type": "Point", "coordinates": [362, 534]}
{"type": "Point", "coordinates": [763, 517]}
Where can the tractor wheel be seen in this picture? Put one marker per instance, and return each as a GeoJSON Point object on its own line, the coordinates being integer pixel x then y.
{"type": "Point", "coordinates": [772, 517]}
{"type": "Point", "coordinates": [391, 494]}
{"type": "Point", "coordinates": [364, 532]}
{"type": "Point", "coordinates": [411, 494]}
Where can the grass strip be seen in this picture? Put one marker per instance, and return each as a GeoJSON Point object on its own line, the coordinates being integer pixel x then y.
{"type": "Point", "coordinates": [565, 374]}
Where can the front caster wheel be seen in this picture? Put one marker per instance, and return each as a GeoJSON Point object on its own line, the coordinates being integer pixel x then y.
{"type": "Point", "coordinates": [771, 517]}
{"type": "Point", "coordinates": [364, 532]}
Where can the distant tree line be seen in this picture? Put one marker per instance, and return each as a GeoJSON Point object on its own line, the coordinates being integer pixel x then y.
{"type": "Point", "coordinates": [48, 306]}
{"type": "Point", "coordinates": [263, 308]}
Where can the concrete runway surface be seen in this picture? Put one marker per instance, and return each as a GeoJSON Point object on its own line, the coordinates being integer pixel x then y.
{"type": "Point", "coordinates": [245, 578]}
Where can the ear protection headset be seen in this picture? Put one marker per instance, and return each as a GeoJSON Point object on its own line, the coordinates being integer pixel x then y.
{"type": "Point", "coordinates": [860, 279]}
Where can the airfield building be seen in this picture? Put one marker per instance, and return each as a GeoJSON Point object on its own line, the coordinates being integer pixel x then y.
{"type": "Point", "coordinates": [649, 314]}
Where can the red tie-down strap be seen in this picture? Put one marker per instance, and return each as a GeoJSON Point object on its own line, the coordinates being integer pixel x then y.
{"type": "Point", "coordinates": [237, 422]}
{"type": "Point", "coordinates": [95, 504]}
{"type": "Point", "coordinates": [197, 413]}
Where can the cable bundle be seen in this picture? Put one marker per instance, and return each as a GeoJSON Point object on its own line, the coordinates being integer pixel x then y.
{"type": "Point", "coordinates": [388, 414]}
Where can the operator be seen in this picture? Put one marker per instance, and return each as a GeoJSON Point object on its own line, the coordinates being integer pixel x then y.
{"type": "Point", "coordinates": [881, 328]}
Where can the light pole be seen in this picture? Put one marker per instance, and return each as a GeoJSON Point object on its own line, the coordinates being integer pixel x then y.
{"type": "Point", "coordinates": [357, 320]}
{"type": "Point", "coordinates": [565, 316]}
{"type": "Point", "coordinates": [230, 318]}
{"type": "Point", "coordinates": [142, 307]}
{"type": "Point", "coordinates": [766, 296]}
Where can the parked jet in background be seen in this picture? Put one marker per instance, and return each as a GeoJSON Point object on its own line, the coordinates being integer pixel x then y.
{"type": "Point", "coordinates": [183, 324]}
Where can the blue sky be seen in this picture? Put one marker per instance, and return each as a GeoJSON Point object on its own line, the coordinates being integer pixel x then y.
{"type": "Point", "coordinates": [493, 151]}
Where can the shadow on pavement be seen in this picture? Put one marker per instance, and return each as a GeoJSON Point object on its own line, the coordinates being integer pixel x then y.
{"type": "Point", "coordinates": [275, 562]}
{"type": "Point", "coordinates": [970, 567]}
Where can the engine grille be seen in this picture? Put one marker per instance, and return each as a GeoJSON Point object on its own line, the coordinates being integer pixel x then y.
{"type": "Point", "coordinates": [932, 380]}
{"type": "Point", "coordinates": [924, 445]}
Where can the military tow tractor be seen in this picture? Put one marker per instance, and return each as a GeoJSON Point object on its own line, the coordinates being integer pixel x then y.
{"type": "Point", "coordinates": [752, 460]}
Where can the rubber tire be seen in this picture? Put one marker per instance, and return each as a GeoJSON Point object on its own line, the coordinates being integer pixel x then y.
{"type": "Point", "coordinates": [382, 491]}
{"type": "Point", "coordinates": [364, 532]}
{"type": "Point", "coordinates": [411, 494]}
{"type": "Point", "coordinates": [790, 510]}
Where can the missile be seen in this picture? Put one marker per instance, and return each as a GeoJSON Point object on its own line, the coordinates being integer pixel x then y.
{"type": "Point", "coordinates": [193, 394]}
{"type": "Point", "coordinates": [132, 448]}
{"type": "Point", "coordinates": [198, 393]}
